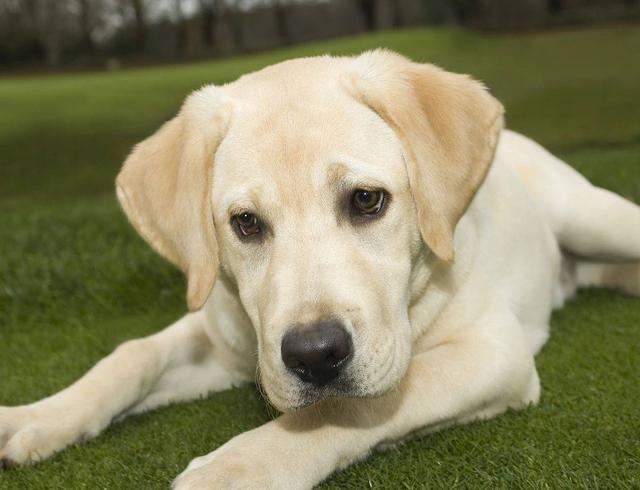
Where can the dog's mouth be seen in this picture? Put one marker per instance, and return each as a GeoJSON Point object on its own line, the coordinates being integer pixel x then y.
{"type": "Point", "coordinates": [345, 387]}
{"type": "Point", "coordinates": [300, 395]}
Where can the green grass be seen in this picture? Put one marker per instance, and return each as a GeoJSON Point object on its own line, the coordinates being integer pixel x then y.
{"type": "Point", "coordinates": [75, 280]}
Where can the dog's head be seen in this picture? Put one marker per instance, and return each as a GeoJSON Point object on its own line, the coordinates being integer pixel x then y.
{"type": "Point", "coordinates": [313, 187]}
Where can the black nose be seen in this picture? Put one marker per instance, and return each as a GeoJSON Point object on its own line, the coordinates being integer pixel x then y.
{"type": "Point", "coordinates": [317, 353]}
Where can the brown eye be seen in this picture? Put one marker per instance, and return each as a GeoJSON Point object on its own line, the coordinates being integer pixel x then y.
{"type": "Point", "coordinates": [367, 202]}
{"type": "Point", "coordinates": [246, 224]}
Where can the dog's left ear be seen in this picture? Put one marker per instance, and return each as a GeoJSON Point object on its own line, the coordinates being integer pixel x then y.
{"type": "Point", "coordinates": [164, 188]}
{"type": "Point", "coordinates": [448, 125]}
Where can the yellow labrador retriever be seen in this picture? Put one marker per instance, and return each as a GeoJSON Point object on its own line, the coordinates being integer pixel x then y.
{"type": "Point", "coordinates": [366, 226]}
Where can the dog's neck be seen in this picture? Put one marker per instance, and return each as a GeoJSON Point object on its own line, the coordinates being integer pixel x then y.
{"type": "Point", "coordinates": [434, 282]}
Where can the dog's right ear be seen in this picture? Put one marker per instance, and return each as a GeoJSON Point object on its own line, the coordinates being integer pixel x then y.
{"type": "Point", "coordinates": [165, 184]}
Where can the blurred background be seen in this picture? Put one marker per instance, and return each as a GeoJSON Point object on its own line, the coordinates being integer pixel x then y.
{"type": "Point", "coordinates": [82, 81]}
{"type": "Point", "coordinates": [65, 33]}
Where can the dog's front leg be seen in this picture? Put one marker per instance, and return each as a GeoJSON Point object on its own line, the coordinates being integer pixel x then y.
{"type": "Point", "coordinates": [457, 381]}
{"type": "Point", "coordinates": [173, 365]}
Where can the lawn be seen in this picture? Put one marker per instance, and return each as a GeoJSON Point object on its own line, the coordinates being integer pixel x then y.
{"type": "Point", "coordinates": [75, 280]}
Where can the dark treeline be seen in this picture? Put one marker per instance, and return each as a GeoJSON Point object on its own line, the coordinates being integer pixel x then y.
{"type": "Point", "coordinates": [92, 32]}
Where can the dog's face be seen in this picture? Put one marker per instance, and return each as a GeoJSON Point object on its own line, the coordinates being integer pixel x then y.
{"type": "Point", "coordinates": [312, 186]}
{"type": "Point", "coordinates": [316, 226]}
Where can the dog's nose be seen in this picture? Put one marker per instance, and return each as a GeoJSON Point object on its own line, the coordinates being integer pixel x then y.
{"type": "Point", "coordinates": [317, 353]}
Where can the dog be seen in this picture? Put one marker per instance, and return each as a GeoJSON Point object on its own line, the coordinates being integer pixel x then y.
{"type": "Point", "coordinates": [365, 234]}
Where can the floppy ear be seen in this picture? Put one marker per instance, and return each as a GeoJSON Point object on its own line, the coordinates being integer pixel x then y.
{"type": "Point", "coordinates": [448, 125]}
{"type": "Point", "coordinates": [164, 189]}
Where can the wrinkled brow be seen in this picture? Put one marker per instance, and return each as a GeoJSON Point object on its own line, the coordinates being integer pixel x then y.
{"type": "Point", "coordinates": [239, 200]}
{"type": "Point", "coordinates": [351, 172]}
{"type": "Point", "coordinates": [256, 197]}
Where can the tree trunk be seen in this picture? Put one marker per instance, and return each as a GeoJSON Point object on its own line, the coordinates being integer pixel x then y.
{"type": "Point", "coordinates": [181, 28]}
{"type": "Point", "coordinates": [235, 18]}
{"type": "Point", "coordinates": [385, 14]}
{"type": "Point", "coordinates": [368, 11]}
{"type": "Point", "coordinates": [223, 32]}
{"type": "Point", "coordinates": [85, 26]}
{"type": "Point", "coordinates": [45, 19]}
{"type": "Point", "coordinates": [208, 16]}
{"type": "Point", "coordinates": [280, 11]}
{"type": "Point", "coordinates": [140, 25]}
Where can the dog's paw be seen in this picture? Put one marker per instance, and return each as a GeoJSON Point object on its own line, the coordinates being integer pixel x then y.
{"type": "Point", "coordinates": [224, 474]}
{"type": "Point", "coordinates": [31, 433]}
{"type": "Point", "coordinates": [225, 469]}
{"type": "Point", "coordinates": [256, 459]}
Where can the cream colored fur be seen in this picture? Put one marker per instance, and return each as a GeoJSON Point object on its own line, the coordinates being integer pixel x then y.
{"type": "Point", "coordinates": [447, 296]}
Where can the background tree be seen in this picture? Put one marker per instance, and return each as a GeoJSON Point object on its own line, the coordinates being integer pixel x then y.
{"type": "Point", "coordinates": [140, 23]}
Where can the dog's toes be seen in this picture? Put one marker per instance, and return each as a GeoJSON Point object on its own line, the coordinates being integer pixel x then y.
{"type": "Point", "coordinates": [6, 462]}
{"type": "Point", "coordinates": [29, 435]}
{"type": "Point", "coordinates": [13, 453]}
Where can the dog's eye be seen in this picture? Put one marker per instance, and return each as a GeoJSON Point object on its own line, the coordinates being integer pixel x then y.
{"type": "Point", "coordinates": [246, 225]}
{"type": "Point", "coordinates": [366, 202]}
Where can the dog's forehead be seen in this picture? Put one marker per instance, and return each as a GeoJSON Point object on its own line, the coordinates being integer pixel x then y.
{"type": "Point", "coordinates": [289, 130]}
